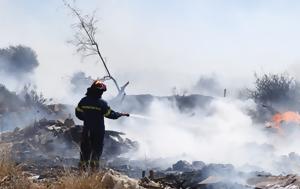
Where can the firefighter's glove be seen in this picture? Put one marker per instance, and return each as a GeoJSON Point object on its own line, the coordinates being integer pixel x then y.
{"type": "Point", "coordinates": [125, 114]}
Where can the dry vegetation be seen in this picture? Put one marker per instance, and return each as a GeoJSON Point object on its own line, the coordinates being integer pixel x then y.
{"type": "Point", "coordinates": [99, 180]}
{"type": "Point", "coordinates": [36, 175]}
{"type": "Point", "coordinates": [83, 181]}
{"type": "Point", "coordinates": [270, 88]}
{"type": "Point", "coordinates": [11, 175]}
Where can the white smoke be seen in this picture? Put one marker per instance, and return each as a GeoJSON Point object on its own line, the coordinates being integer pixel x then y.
{"type": "Point", "coordinates": [222, 133]}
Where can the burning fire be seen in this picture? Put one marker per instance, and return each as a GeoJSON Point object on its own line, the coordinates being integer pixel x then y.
{"type": "Point", "coordinates": [286, 116]}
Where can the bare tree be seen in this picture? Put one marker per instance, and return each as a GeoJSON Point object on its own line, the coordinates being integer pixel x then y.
{"type": "Point", "coordinates": [86, 43]}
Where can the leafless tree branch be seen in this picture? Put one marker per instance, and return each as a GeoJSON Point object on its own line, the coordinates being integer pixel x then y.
{"type": "Point", "coordinates": [85, 39]}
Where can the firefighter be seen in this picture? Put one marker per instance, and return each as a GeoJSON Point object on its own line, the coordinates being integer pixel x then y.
{"type": "Point", "coordinates": [91, 110]}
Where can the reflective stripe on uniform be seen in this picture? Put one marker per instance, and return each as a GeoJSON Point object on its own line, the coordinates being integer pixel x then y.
{"type": "Point", "coordinates": [91, 108]}
{"type": "Point", "coordinates": [79, 109]}
{"type": "Point", "coordinates": [107, 113]}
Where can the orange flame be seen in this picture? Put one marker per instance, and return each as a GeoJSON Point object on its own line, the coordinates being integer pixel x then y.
{"type": "Point", "coordinates": [286, 116]}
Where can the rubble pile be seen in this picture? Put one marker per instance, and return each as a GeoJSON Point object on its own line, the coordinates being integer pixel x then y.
{"type": "Point", "coordinates": [185, 166]}
{"type": "Point", "coordinates": [113, 179]}
{"type": "Point", "coordinates": [185, 175]}
{"type": "Point", "coordinates": [188, 176]}
{"type": "Point", "coordinates": [275, 182]}
{"type": "Point", "coordinates": [57, 140]}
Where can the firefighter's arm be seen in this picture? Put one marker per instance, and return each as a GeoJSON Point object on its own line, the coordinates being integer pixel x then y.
{"type": "Point", "coordinates": [111, 114]}
{"type": "Point", "coordinates": [79, 112]}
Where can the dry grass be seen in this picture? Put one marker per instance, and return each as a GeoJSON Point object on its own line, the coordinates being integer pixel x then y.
{"type": "Point", "coordinates": [11, 176]}
{"type": "Point", "coordinates": [82, 181]}
{"type": "Point", "coordinates": [6, 166]}
{"type": "Point", "coordinates": [100, 180]}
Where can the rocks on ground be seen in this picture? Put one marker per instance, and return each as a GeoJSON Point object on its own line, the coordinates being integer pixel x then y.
{"type": "Point", "coordinates": [57, 141]}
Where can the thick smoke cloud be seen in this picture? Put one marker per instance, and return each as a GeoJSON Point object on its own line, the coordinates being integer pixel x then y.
{"type": "Point", "coordinates": [80, 82]}
{"type": "Point", "coordinates": [10, 106]}
{"type": "Point", "coordinates": [208, 85]}
{"type": "Point", "coordinates": [21, 109]}
{"type": "Point", "coordinates": [19, 60]}
{"type": "Point", "coordinates": [9, 101]}
{"type": "Point", "coordinates": [17, 65]}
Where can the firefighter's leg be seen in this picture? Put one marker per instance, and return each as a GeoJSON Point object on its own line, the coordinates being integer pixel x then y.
{"type": "Point", "coordinates": [85, 150]}
{"type": "Point", "coordinates": [97, 147]}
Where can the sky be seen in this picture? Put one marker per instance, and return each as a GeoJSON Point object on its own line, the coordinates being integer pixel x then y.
{"type": "Point", "coordinates": [158, 45]}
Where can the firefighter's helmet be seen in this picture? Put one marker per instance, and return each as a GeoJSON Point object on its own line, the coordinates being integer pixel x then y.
{"type": "Point", "coordinates": [97, 84]}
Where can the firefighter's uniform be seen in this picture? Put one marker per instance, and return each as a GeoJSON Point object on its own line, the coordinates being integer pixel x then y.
{"type": "Point", "coordinates": [92, 110]}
